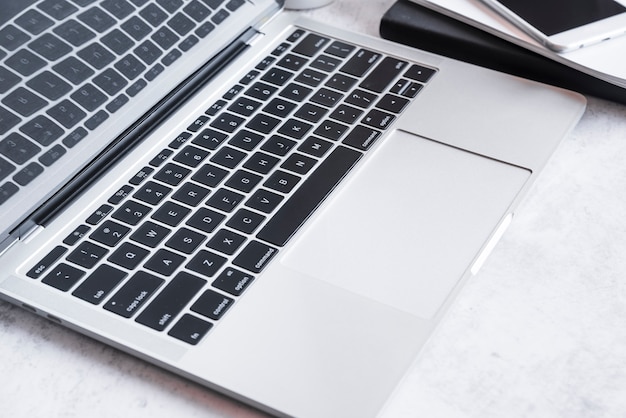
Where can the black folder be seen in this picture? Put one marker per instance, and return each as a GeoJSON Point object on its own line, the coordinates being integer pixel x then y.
{"type": "Point", "coordinates": [414, 25]}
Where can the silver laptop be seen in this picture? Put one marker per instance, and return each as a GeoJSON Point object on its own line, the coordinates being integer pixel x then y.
{"type": "Point", "coordinates": [277, 209]}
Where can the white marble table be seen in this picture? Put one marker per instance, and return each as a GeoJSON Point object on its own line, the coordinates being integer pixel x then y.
{"type": "Point", "coordinates": [540, 332]}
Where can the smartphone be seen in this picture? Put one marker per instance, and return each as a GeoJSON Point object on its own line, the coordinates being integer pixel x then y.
{"type": "Point", "coordinates": [564, 25]}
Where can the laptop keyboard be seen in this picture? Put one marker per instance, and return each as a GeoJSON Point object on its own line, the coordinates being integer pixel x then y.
{"type": "Point", "coordinates": [65, 67]}
{"type": "Point", "coordinates": [178, 243]}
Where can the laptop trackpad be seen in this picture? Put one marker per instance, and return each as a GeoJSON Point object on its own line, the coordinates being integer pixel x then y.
{"type": "Point", "coordinates": [405, 228]}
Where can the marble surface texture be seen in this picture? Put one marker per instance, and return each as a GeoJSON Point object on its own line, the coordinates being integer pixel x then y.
{"type": "Point", "coordinates": [538, 333]}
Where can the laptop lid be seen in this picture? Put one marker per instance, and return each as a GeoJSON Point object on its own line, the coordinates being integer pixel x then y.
{"type": "Point", "coordinates": [76, 77]}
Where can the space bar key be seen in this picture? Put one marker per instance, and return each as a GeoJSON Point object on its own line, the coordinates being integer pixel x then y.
{"type": "Point", "coordinates": [309, 196]}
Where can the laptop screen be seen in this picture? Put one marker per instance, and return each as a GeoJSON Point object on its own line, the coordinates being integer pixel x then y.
{"type": "Point", "coordinates": [12, 8]}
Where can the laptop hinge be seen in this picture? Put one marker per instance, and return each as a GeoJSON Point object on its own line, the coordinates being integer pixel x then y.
{"type": "Point", "coordinates": [21, 233]}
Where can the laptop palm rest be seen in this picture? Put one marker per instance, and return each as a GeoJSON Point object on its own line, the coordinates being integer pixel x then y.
{"type": "Point", "coordinates": [427, 208]}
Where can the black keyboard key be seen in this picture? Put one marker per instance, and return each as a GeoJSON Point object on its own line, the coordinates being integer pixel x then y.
{"type": "Point", "coordinates": [212, 304]}
{"type": "Point", "coordinates": [346, 114]}
{"type": "Point", "coordinates": [136, 87]}
{"type": "Point", "coordinates": [150, 234]}
{"type": "Point", "coordinates": [225, 200]}
{"type": "Point", "coordinates": [311, 77]}
{"type": "Point", "coordinates": [99, 284]}
{"type": "Point", "coordinates": [49, 85]}
{"type": "Point", "coordinates": [63, 277]}
{"type": "Point", "coordinates": [164, 262]}
{"type": "Point", "coordinates": [79, 233]}
{"type": "Point", "coordinates": [227, 122]}
{"type": "Point", "coordinates": [154, 72]}
{"type": "Point", "coordinates": [74, 32]}
{"type": "Point", "coordinates": [244, 106]}
{"type": "Point", "coordinates": [131, 212]}
{"type": "Point", "coordinates": [87, 254]}
{"type": "Point", "coordinates": [309, 196]}
{"type": "Point", "coordinates": [150, 194]}
{"type": "Point", "coordinates": [165, 38]}
{"type": "Point", "coordinates": [279, 107]}
{"type": "Point", "coordinates": [12, 38]}
{"type": "Point", "coordinates": [188, 43]}
{"type": "Point", "coordinates": [326, 63]}
{"type": "Point", "coordinates": [213, 4]}
{"type": "Point", "coordinates": [110, 233]}
{"type": "Point", "coordinates": [220, 16]}
{"type": "Point", "coordinates": [7, 190]}
{"type": "Point", "coordinates": [206, 263]}
{"type": "Point", "coordinates": [34, 22]}
{"type": "Point", "coordinates": [82, 3]}
{"type": "Point", "coordinates": [130, 67]}
{"type": "Point", "coordinates": [292, 62]}
{"type": "Point", "coordinates": [18, 149]}
{"type": "Point", "coordinates": [110, 81]}
{"type": "Point", "coordinates": [255, 256]}
{"type": "Point", "coordinates": [66, 113]}
{"type": "Point", "coordinates": [136, 28]}
{"type": "Point", "coordinates": [97, 19]}
{"type": "Point", "coordinates": [243, 181]}
{"type": "Point", "coordinates": [341, 82]}
{"type": "Point", "coordinates": [185, 240]}
{"type": "Point", "coordinates": [28, 174]}
{"type": "Point", "coordinates": [50, 47]}
{"type": "Point", "coordinates": [197, 11]}
{"type": "Point", "coordinates": [226, 241]}
{"type": "Point", "coordinates": [42, 130]}
{"type": "Point", "coordinates": [206, 220]}
{"type": "Point", "coordinates": [326, 97]}
{"type": "Point", "coordinates": [340, 49]}
{"type": "Point", "coordinates": [311, 45]}
{"type": "Point", "coordinates": [265, 62]}
{"type": "Point", "coordinates": [233, 5]}
{"type": "Point", "coordinates": [100, 213]}
{"type": "Point", "coordinates": [180, 140]}
{"type": "Point", "coordinates": [58, 9]}
{"type": "Point", "coordinates": [282, 181]}
{"type": "Point", "coordinates": [412, 90]}
{"type": "Point", "coordinates": [210, 175]}
{"type": "Point", "coordinates": [172, 174]}
{"type": "Point", "coordinates": [24, 101]}
{"type": "Point", "coordinates": [232, 92]}
{"type": "Point", "coordinates": [25, 62]}
{"type": "Point", "coordinates": [245, 221]}
{"type": "Point", "coordinates": [261, 163]}
{"type": "Point", "coordinates": [190, 194]}
{"type": "Point", "coordinates": [361, 98]}
{"type": "Point", "coordinates": [378, 119]}
{"type": "Point", "coordinates": [153, 14]}
{"type": "Point", "coordinates": [122, 193]}
{"type": "Point", "coordinates": [181, 24]}
{"type": "Point", "coordinates": [96, 55]}
{"type": "Point", "coordinates": [148, 52]}
{"type": "Point", "coordinates": [7, 120]}
{"type": "Point", "coordinates": [361, 137]}
{"type": "Point", "coordinates": [131, 297]}
{"type": "Point", "coordinates": [331, 130]}
{"type": "Point", "coordinates": [8, 80]}
{"type": "Point", "coordinates": [117, 41]}
{"type": "Point", "coordinates": [296, 35]}
{"type": "Point", "coordinates": [46, 262]}
{"type": "Point", "coordinates": [391, 103]}
{"type": "Point", "coordinates": [170, 5]}
{"type": "Point", "coordinates": [249, 77]}
{"type": "Point", "coordinates": [316, 147]}
{"type": "Point", "coordinates": [73, 70]}
{"type": "Point", "coordinates": [383, 75]}
{"type": "Point", "coordinates": [263, 123]}
{"type": "Point", "coordinates": [52, 155]}
{"type": "Point", "coordinates": [204, 29]}
{"type": "Point", "coordinates": [295, 128]}
{"type": "Point", "coordinates": [118, 8]}
{"type": "Point", "coordinates": [263, 201]}
{"type": "Point", "coordinates": [295, 92]}
{"type": "Point", "coordinates": [198, 123]}
{"type": "Point", "coordinates": [171, 301]}
{"type": "Point", "coordinates": [171, 213]}
{"type": "Point", "coordinates": [277, 76]}
{"type": "Point", "coordinates": [89, 97]}
{"type": "Point", "coordinates": [361, 62]}
{"type": "Point", "coordinates": [161, 157]}
{"type": "Point", "coordinates": [191, 156]}
{"type": "Point", "coordinates": [419, 73]}
{"type": "Point", "coordinates": [233, 281]}
{"type": "Point", "coordinates": [261, 91]}
{"type": "Point", "coordinates": [228, 157]}
{"type": "Point", "coordinates": [190, 329]}
{"type": "Point", "coordinates": [311, 112]}
{"type": "Point", "coordinates": [299, 163]}
{"type": "Point", "coordinates": [75, 137]}
{"type": "Point", "coordinates": [128, 255]}
{"type": "Point", "coordinates": [246, 140]}
{"type": "Point", "coordinates": [278, 145]}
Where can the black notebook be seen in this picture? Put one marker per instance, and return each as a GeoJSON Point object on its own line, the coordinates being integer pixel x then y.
{"type": "Point", "coordinates": [411, 24]}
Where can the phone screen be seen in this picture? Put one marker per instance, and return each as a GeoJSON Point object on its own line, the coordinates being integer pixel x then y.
{"type": "Point", "coordinates": [556, 16]}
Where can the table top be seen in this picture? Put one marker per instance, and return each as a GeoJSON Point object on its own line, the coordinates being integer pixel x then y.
{"type": "Point", "coordinates": [538, 332]}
